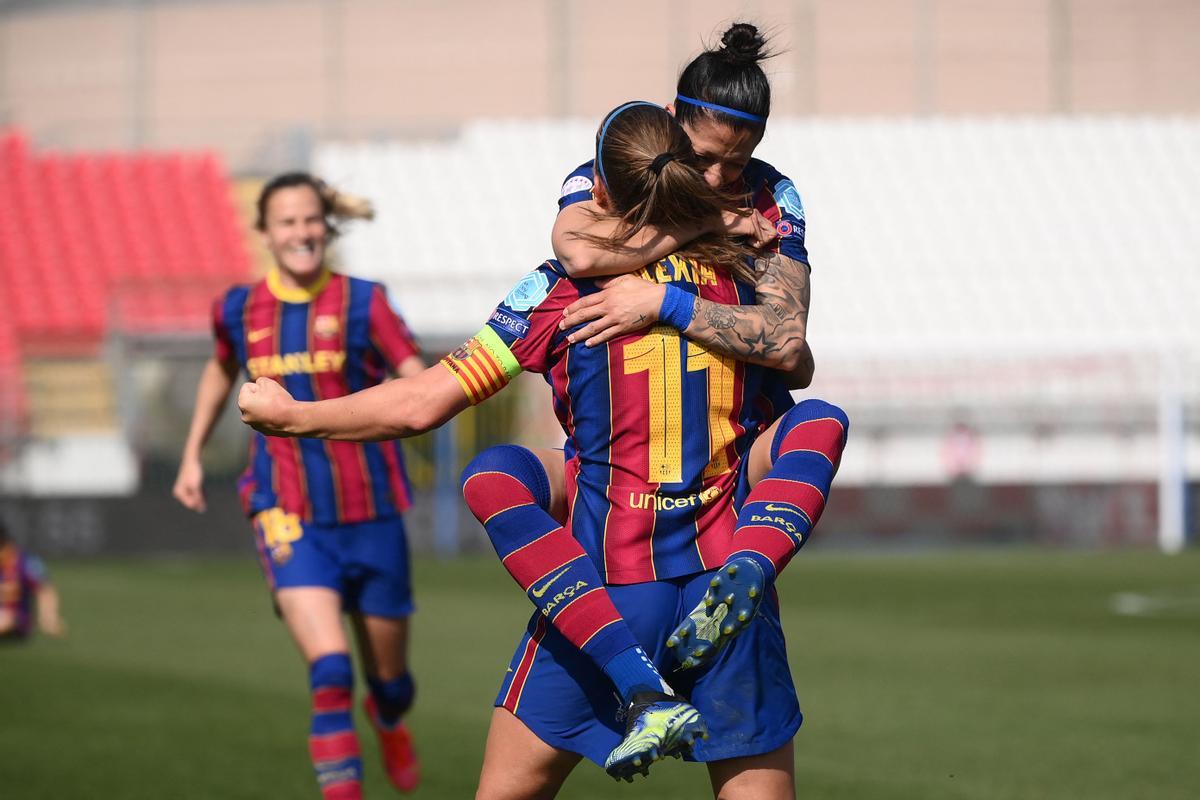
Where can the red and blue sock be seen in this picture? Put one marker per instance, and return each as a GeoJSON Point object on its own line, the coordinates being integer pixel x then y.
{"type": "Point", "coordinates": [332, 743]}
{"type": "Point", "coordinates": [508, 491]}
{"type": "Point", "coordinates": [783, 508]}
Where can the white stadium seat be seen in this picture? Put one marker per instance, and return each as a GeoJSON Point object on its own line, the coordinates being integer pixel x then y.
{"type": "Point", "coordinates": [1032, 277]}
{"type": "Point", "coordinates": [929, 237]}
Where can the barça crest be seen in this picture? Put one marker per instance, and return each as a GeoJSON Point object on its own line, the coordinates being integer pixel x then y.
{"type": "Point", "coordinates": [326, 326]}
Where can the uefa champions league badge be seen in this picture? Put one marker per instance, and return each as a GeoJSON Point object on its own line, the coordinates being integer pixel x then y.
{"type": "Point", "coordinates": [788, 198]}
{"type": "Point", "coordinates": [529, 291]}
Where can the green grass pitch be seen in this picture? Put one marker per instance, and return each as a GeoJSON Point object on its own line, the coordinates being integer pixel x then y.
{"type": "Point", "coordinates": [968, 675]}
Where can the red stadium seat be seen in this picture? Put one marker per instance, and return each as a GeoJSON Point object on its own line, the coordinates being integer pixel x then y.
{"type": "Point", "coordinates": [100, 242]}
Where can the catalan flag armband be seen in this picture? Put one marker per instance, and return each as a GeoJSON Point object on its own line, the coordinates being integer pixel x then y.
{"type": "Point", "coordinates": [483, 365]}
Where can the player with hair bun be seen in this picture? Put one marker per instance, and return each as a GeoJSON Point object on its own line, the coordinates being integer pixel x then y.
{"type": "Point", "coordinates": [665, 439]}
{"type": "Point", "coordinates": [722, 101]}
{"type": "Point", "coordinates": [326, 515]}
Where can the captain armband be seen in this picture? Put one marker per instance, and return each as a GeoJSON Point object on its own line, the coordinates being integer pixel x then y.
{"type": "Point", "coordinates": [483, 365]}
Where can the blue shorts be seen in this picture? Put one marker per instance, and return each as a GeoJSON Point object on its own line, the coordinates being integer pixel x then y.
{"type": "Point", "coordinates": [745, 694]}
{"type": "Point", "coordinates": [364, 562]}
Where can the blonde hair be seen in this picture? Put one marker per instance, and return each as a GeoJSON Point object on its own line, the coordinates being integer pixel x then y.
{"type": "Point", "coordinates": [646, 163]}
{"type": "Point", "coordinates": [336, 206]}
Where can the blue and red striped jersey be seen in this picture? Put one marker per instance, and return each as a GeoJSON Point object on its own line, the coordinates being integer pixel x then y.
{"type": "Point", "coordinates": [334, 338]}
{"type": "Point", "coordinates": [766, 188]}
{"type": "Point", "coordinates": [656, 425]}
{"type": "Point", "coordinates": [20, 576]}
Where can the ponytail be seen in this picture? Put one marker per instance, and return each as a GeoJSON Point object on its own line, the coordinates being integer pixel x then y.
{"type": "Point", "coordinates": [336, 206]}
{"type": "Point", "coordinates": [650, 175]}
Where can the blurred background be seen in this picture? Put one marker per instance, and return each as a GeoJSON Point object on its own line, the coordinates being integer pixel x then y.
{"type": "Point", "coordinates": [1001, 204]}
{"type": "Point", "coordinates": [1000, 201]}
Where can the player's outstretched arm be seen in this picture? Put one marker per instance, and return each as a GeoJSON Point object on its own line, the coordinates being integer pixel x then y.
{"type": "Point", "coordinates": [582, 258]}
{"type": "Point", "coordinates": [772, 333]}
{"type": "Point", "coordinates": [393, 410]}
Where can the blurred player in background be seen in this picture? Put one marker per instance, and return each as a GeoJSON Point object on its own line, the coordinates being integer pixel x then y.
{"type": "Point", "coordinates": [625, 408]}
{"type": "Point", "coordinates": [24, 587]}
{"type": "Point", "coordinates": [326, 515]}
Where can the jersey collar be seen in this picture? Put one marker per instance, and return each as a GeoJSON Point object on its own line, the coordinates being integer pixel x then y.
{"type": "Point", "coordinates": [298, 294]}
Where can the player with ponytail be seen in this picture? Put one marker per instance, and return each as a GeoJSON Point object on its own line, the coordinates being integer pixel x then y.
{"type": "Point", "coordinates": [326, 515]}
{"type": "Point", "coordinates": [651, 506]}
{"type": "Point", "coordinates": [723, 100]}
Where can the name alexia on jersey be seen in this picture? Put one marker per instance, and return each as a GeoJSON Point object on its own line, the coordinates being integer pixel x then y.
{"type": "Point", "coordinates": [673, 268]}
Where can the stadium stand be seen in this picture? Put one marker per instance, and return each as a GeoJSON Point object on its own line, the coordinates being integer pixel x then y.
{"type": "Point", "coordinates": [13, 401]}
{"type": "Point", "coordinates": [1032, 277]}
{"type": "Point", "coordinates": [96, 243]}
{"type": "Point", "coordinates": [94, 246]}
{"type": "Point", "coordinates": [457, 221]}
{"type": "Point", "coordinates": [929, 236]}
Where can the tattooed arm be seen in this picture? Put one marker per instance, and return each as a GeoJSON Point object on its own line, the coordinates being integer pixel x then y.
{"type": "Point", "coordinates": [772, 333]}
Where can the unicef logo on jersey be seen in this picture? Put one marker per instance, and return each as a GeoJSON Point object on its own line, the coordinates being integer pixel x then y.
{"type": "Point", "coordinates": [529, 291]}
{"type": "Point", "coordinates": [789, 199]}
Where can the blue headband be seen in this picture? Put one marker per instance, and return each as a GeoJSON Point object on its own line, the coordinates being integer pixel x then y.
{"type": "Point", "coordinates": [733, 112]}
{"type": "Point", "coordinates": [604, 130]}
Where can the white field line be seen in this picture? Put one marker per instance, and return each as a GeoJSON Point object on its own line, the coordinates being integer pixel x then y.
{"type": "Point", "coordinates": [1136, 604]}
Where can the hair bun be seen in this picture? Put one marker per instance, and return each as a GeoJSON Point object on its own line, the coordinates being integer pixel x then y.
{"type": "Point", "coordinates": [743, 44]}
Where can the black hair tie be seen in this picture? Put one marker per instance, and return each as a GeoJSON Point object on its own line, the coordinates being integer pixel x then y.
{"type": "Point", "coordinates": [661, 161]}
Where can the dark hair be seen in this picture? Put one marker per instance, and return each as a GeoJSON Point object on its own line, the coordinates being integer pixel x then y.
{"type": "Point", "coordinates": [335, 205]}
{"type": "Point", "coordinates": [645, 161]}
{"type": "Point", "coordinates": [730, 77]}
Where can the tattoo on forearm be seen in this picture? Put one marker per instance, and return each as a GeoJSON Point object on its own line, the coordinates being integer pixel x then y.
{"type": "Point", "coordinates": [718, 316]}
{"type": "Point", "coordinates": [773, 331]}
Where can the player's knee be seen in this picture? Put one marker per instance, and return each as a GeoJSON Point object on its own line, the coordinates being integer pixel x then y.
{"type": "Point", "coordinates": [331, 680]}
{"type": "Point", "coordinates": [505, 461]}
{"type": "Point", "coordinates": [395, 697]}
{"type": "Point", "coordinates": [812, 410]}
{"type": "Point", "coordinates": [331, 671]}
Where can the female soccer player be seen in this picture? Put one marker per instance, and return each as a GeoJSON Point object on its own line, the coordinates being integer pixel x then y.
{"type": "Point", "coordinates": [723, 100]}
{"type": "Point", "coordinates": [653, 508]}
{"type": "Point", "coordinates": [24, 589]}
{"type": "Point", "coordinates": [326, 515]}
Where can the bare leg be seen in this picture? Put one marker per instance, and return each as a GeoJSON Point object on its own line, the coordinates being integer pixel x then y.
{"type": "Point", "coordinates": [313, 616]}
{"type": "Point", "coordinates": [517, 765]}
{"type": "Point", "coordinates": [771, 776]}
{"type": "Point", "coordinates": [382, 644]}
{"type": "Point", "coordinates": [760, 454]}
